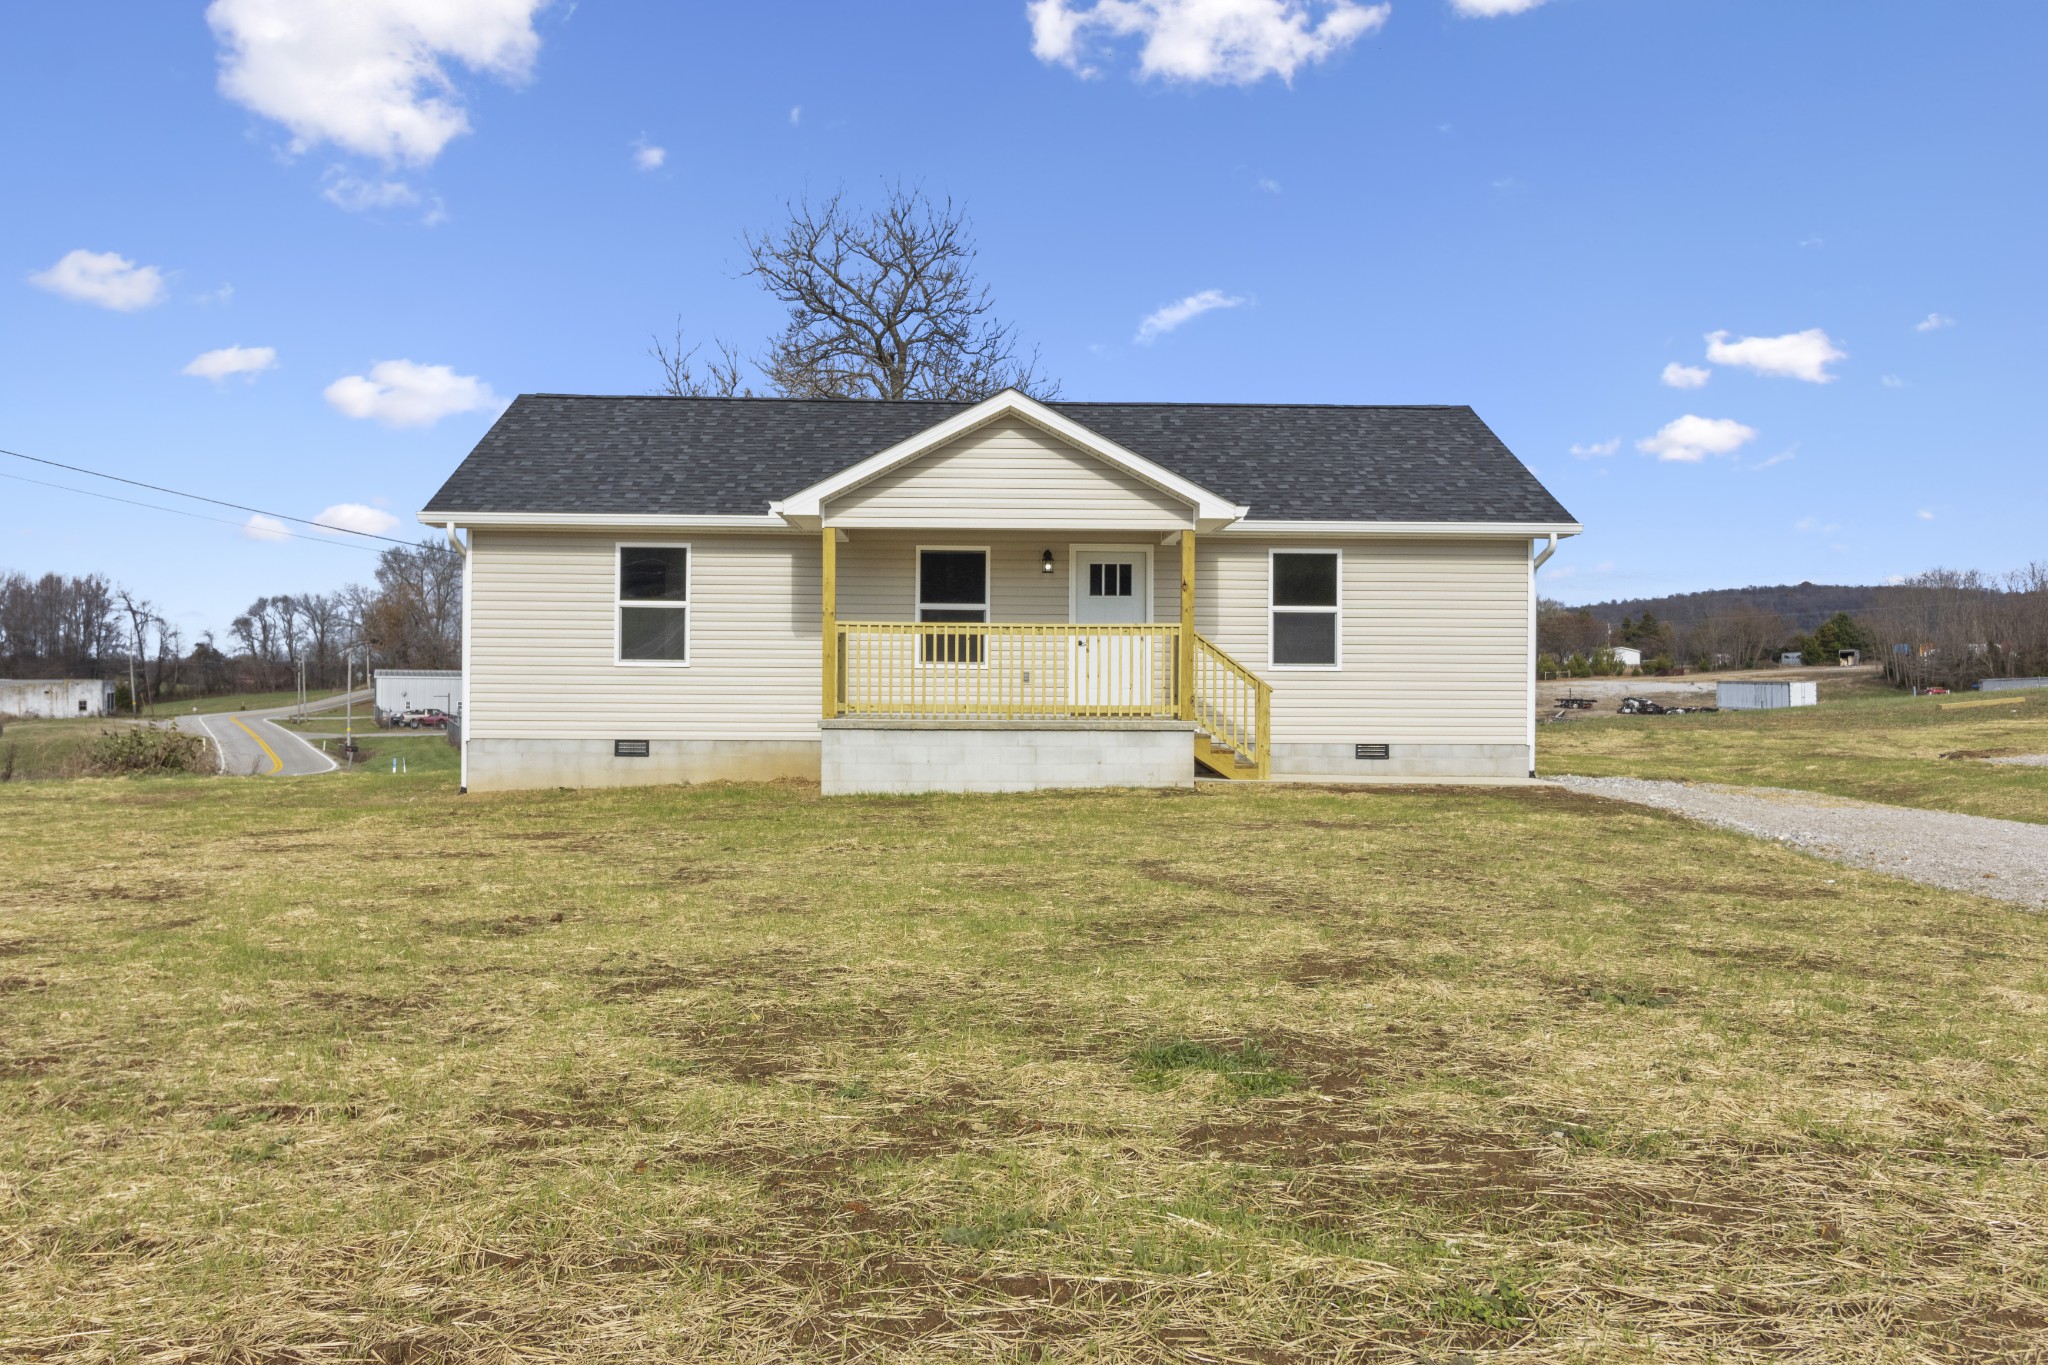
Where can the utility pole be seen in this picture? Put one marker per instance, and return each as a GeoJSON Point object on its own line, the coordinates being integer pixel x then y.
{"type": "Point", "coordinates": [348, 722]}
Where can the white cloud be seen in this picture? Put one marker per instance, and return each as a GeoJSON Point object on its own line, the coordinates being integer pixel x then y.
{"type": "Point", "coordinates": [1933, 322]}
{"type": "Point", "coordinates": [1493, 9]}
{"type": "Point", "coordinates": [1268, 184]}
{"type": "Point", "coordinates": [105, 278]}
{"type": "Point", "coordinates": [796, 115]}
{"type": "Point", "coordinates": [1779, 458]}
{"type": "Point", "coordinates": [1677, 376]}
{"type": "Point", "coordinates": [1892, 381]}
{"type": "Point", "coordinates": [647, 156]}
{"type": "Point", "coordinates": [260, 527]}
{"type": "Point", "coordinates": [399, 393]}
{"type": "Point", "coordinates": [1597, 450]}
{"type": "Point", "coordinates": [357, 195]}
{"type": "Point", "coordinates": [354, 516]}
{"type": "Point", "coordinates": [218, 365]}
{"type": "Point", "coordinates": [1691, 439]}
{"type": "Point", "coordinates": [369, 75]}
{"type": "Point", "coordinates": [1157, 324]}
{"type": "Point", "coordinates": [1924, 514]}
{"type": "Point", "coordinates": [1796, 355]}
{"type": "Point", "coordinates": [1237, 42]}
{"type": "Point", "coordinates": [1813, 241]}
{"type": "Point", "coordinates": [1812, 524]}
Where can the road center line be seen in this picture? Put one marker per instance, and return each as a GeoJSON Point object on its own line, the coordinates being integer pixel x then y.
{"type": "Point", "coordinates": [276, 763]}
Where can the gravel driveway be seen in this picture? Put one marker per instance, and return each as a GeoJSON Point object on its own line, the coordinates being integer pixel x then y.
{"type": "Point", "coordinates": [2006, 859]}
{"type": "Point", "coordinates": [2025, 760]}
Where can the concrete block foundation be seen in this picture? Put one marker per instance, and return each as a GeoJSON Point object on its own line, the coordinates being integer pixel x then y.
{"type": "Point", "coordinates": [513, 764]}
{"type": "Point", "coordinates": [1403, 763]}
{"type": "Point", "coordinates": [976, 756]}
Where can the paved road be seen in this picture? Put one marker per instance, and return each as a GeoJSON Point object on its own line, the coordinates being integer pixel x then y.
{"type": "Point", "coordinates": [249, 743]}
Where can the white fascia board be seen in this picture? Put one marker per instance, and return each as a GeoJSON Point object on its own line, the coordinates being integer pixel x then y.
{"type": "Point", "coordinates": [607, 521]}
{"type": "Point", "coordinates": [1509, 529]}
{"type": "Point", "coordinates": [1010, 403]}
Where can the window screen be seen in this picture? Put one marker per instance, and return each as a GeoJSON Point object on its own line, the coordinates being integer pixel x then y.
{"type": "Point", "coordinates": [1304, 609]}
{"type": "Point", "coordinates": [654, 604]}
{"type": "Point", "coordinates": [952, 585]}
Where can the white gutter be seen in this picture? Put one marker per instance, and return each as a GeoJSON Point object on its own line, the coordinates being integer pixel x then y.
{"type": "Point", "coordinates": [1549, 550]}
{"type": "Point", "coordinates": [468, 574]}
{"type": "Point", "coordinates": [613, 521]}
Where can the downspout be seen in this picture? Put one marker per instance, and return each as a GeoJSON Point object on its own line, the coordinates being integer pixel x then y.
{"type": "Point", "coordinates": [1535, 563]}
{"type": "Point", "coordinates": [462, 787]}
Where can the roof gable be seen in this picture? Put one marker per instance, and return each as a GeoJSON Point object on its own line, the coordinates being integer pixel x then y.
{"type": "Point", "coordinates": [806, 504]}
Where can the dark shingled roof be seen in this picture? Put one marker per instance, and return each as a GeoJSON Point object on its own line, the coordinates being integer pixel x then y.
{"type": "Point", "coordinates": [733, 456]}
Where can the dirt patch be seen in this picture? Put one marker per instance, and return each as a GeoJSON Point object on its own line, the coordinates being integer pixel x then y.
{"type": "Point", "coordinates": [16, 947]}
{"type": "Point", "coordinates": [148, 893]}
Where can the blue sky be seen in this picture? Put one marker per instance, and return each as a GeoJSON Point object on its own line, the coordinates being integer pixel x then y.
{"type": "Point", "coordinates": [423, 207]}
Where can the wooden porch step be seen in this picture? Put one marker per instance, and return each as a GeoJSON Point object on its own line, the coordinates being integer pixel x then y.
{"type": "Point", "coordinates": [1222, 760]}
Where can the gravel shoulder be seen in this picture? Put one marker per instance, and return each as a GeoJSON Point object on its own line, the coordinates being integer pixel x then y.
{"type": "Point", "coordinates": [2003, 859]}
{"type": "Point", "coordinates": [2023, 760]}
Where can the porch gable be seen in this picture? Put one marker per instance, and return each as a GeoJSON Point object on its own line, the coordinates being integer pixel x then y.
{"type": "Point", "coordinates": [1009, 475]}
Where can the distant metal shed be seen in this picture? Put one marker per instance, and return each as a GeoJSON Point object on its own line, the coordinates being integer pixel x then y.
{"type": "Point", "coordinates": [416, 689]}
{"type": "Point", "coordinates": [1765, 696]}
{"type": "Point", "coordinates": [2010, 684]}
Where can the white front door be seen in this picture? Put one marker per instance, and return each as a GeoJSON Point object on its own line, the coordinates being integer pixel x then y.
{"type": "Point", "coordinates": [1112, 587]}
{"type": "Point", "coordinates": [1112, 669]}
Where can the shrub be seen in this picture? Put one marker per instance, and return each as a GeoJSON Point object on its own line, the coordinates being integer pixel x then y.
{"type": "Point", "coordinates": [145, 750]}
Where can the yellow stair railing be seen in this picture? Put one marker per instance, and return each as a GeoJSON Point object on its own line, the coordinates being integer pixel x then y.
{"type": "Point", "coordinates": [1233, 707]}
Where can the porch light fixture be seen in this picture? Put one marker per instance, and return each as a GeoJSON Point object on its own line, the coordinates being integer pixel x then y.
{"type": "Point", "coordinates": [1045, 564]}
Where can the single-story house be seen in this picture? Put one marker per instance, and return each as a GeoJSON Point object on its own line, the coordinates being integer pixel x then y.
{"type": "Point", "coordinates": [1003, 595]}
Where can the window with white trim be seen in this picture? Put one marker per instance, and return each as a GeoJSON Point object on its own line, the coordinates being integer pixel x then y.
{"type": "Point", "coordinates": [654, 604]}
{"type": "Point", "coordinates": [1303, 608]}
{"type": "Point", "coordinates": [952, 585]}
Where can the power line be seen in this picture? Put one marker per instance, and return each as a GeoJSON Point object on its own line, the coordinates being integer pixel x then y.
{"type": "Point", "coordinates": [181, 512]}
{"type": "Point", "coordinates": [197, 497]}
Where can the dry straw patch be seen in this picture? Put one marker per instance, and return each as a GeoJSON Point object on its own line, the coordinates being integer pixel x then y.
{"type": "Point", "coordinates": [330, 1071]}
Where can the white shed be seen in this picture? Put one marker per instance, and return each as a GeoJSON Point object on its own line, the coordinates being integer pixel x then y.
{"type": "Point", "coordinates": [1626, 655]}
{"type": "Point", "coordinates": [1765, 696]}
{"type": "Point", "coordinates": [416, 689]}
{"type": "Point", "coordinates": [55, 698]}
{"type": "Point", "coordinates": [1791, 658]}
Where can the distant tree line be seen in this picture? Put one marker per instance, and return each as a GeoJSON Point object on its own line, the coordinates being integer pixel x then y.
{"type": "Point", "coordinates": [88, 627]}
{"type": "Point", "coordinates": [1945, 627]}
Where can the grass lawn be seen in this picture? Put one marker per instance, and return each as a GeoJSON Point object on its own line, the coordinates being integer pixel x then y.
{"type": "Point", "coordinates": [355, 1069]}
{"type": "Point", "coordinates": [1863, 740]}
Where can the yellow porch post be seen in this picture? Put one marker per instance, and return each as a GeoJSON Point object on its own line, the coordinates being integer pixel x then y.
{"type": "Point", "coordinates": [828, 597]}
{"type": "Point", "coordinates": [1187, 624]}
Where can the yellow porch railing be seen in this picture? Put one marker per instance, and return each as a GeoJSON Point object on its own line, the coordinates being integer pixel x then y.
{"type": "Point", "coordinates": [1235, 707]}
{"type": "Point", "coordinates": [969, 671]}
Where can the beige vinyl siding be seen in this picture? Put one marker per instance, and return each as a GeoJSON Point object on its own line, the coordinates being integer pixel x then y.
{"type": "Point", "coordinates": [1433, 638]}
{"type": "Point", "coordinates": [878, 573]}
{"type": "Point", "coordinates": [1008, 474]}
{"type": "Point", "coordinates": [542, 640]}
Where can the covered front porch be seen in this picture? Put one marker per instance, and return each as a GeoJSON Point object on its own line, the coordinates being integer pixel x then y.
{"type": "Point", "coordinates": [949, 690]}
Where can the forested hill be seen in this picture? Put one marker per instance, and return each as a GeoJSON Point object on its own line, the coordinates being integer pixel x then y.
{"type": "Point", "coordinates": [1805, 605]}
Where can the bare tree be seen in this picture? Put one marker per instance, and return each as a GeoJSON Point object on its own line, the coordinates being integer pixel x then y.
{"type": "Point", "coordinates": [885, 304]}
{"type": "Point", "coordinates": [680, 378]}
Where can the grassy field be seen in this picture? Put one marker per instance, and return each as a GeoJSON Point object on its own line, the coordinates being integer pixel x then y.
{"type": "Point", "coordinates": [1864, 740]}
{"type": "Point", "coordinates": [355, 1069]}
